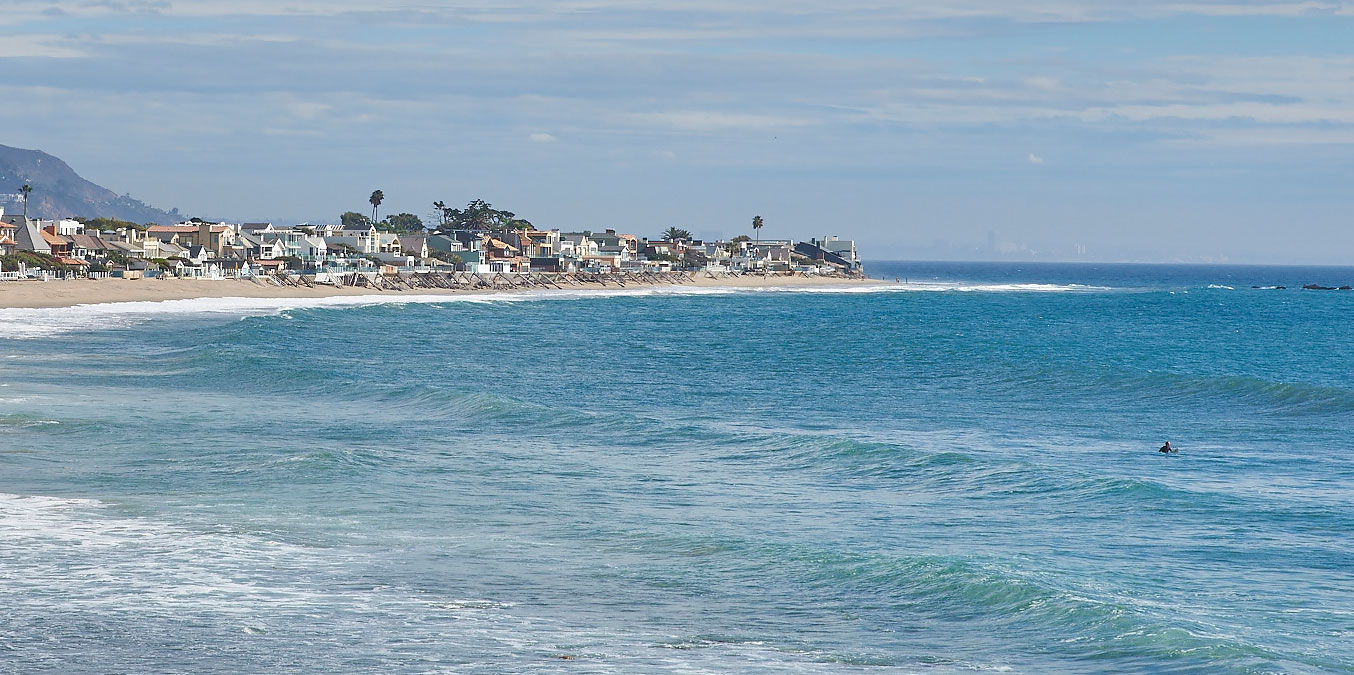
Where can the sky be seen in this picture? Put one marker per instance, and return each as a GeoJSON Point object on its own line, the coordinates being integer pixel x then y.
{"type": "Point", "coordinates": [1099, 130]}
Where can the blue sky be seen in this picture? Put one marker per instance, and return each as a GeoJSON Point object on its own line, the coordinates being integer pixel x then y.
{"type": "Point", "coordinates": [1203, 130]}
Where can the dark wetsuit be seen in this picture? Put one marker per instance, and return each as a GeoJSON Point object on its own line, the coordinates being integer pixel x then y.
{"type": "Point", "coordinates": [1167, 448]}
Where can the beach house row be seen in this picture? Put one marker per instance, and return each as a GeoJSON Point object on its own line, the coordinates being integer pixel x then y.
{"type": "Point", "coordinates": [201, 248]}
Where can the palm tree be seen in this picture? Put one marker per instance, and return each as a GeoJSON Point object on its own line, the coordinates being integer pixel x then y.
{"type": "Point", "coordinates": [675, 233]}
{"type": "Point", "coordinates": [757, 228]}
{"type": "Point", "coordinates": [25, 191]}
{"type": "Point", "coordinates": [376, 198]}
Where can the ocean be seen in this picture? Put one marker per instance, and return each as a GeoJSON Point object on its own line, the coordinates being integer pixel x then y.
{"type": "Point", "coordinates": [957, 472]}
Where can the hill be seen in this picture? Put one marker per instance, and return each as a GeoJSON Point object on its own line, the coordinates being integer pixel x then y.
{"type": "Point", "coordinates": [59, 192]}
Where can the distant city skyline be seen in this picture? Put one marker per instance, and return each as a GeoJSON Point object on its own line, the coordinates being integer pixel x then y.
{"type": "Point", "coordinates": [1207, 131]}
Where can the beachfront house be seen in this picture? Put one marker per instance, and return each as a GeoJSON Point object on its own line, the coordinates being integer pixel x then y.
{"type": "Point", "coordinates": [540, 243]}
{"type": "Point", "coordinates": [66, 227]}
{"type": "Point", "coordinates": [415, 246]}
{"type": "Point", "coordinates": [310, 247]}
{"type": "Point", "coordinates": [825, 260]}
{"type": "Point", "coordinates": [285, 242]}
{"type": "Point", "coordinates": [366, 240]}
{"type": "Point", "coordinates": [27, 236]}
{"type": "Point", "coordinates": [832, 250]}
{"type": "Point", "coordinates": [214, 236]}
{"type": "Point", "coordinates": [132, 242]}
{"type": "Point", "coordinates": [7, 233]}
{"type": "Point", "coordinates": [617, 246]}
{"type": "Point", "coordinates": [577, 245]}
{"type": "Point", "coordinates": [88, 246]}
{"type": "Point", "coordinates": [256, 228]}
{"type": "Point", "coordinates": [769, 256]}
{"type": "Point", "coordinates": [259, 247]}
{"type": "Point", "coordinates": [389, 249]}
{"type": "Point", "coordinates": [498, 256]}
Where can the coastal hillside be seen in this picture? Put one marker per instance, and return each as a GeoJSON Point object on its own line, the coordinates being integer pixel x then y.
{"type": "Point", "coordinates": [59, 192]}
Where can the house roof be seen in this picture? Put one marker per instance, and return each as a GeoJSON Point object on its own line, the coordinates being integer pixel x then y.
{"type": "Point", "coordinates": [88, 241]}
{"type": "Point", "coordinates": [184, 229]}
{"type": "Point", "coordinates": [28, 239]}
{"type": "Point", "coordinates": [72, 261]}
{"type": "Point", "coordinates": [54, 239]}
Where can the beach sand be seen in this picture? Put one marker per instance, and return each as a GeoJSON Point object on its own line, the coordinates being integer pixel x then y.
{"type": "Point", "coordinates": [33, 294]}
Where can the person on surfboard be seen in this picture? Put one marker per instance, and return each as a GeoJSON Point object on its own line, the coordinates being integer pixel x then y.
{"type": "Point", "coordinates": [1168, 448]}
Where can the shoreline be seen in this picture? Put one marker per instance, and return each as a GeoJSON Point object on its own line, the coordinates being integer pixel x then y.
{"type": "Point", "coordinates": [28, 294]}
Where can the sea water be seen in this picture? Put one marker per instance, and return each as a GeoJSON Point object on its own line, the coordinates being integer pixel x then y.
{"type": "Point", "coordinates": [954, 472]}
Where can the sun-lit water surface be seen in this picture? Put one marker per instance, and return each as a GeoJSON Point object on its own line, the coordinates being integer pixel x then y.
{"type": "Point", "coordinates": [953, 473]}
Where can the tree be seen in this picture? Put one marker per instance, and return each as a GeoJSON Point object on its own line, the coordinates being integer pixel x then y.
{"type": "Point", "coordinates": [443, 213]}
{"type": "Point", "coordinates": [757, 229]}
{"type": "Point", "coordinates": [25, 191]}
{"type": "Point", "coordinates": [354, 219]}
{"type": "Point", "coordinates": [479, 216]}
{"type": "Point", "coordinates": [675, 234]}
{"type": "Point", "coordinates": [376, 198]}
{"type": "Point", "coordinates": [402, 222]}
{"type": "Point", "coordinates": [99, 224]}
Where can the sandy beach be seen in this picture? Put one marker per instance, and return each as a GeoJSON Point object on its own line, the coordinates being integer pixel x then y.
{"type": "Point", "coordinates": [68, 293]}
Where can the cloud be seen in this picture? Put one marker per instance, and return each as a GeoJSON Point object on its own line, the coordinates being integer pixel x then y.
{"type": "Point", "coordinates": [716, 120]}
{"type": "Point", "coordinates": [308, 110]}
{"type": "Point", "coordinates": [286, 93]}
{"type": "Point", "coordinates": [39, 46]}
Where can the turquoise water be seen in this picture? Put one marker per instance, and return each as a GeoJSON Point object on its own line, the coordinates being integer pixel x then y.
{"type": "Point", "coordinates": [954, 474]}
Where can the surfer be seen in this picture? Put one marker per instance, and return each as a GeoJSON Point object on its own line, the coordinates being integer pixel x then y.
{"type": "Point", "coordinates": [1168, 448]}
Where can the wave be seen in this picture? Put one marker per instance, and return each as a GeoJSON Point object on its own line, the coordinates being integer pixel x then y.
{"type": "Point", "coordinates": [1073, 617]}
{"type": "Point", "coordinates": [1278, 398]}
{"type": "Point", "coordinates": [931, 286]}
{"type": "Point", "coordinates": [33, 323]}
{"type": "Point", "coordinates": [22, 421]}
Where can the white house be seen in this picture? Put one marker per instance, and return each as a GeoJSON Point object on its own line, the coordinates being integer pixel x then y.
{"type": "Point", "coordinates": [366, 240]}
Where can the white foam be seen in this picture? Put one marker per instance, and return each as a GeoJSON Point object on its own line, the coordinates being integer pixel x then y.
{"type": "Point", "coordinates": [960, 287]}
{"type": "Point", "coordinates": [65, 552]}
{"type": "Point", "coordinates": [32, 323]}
